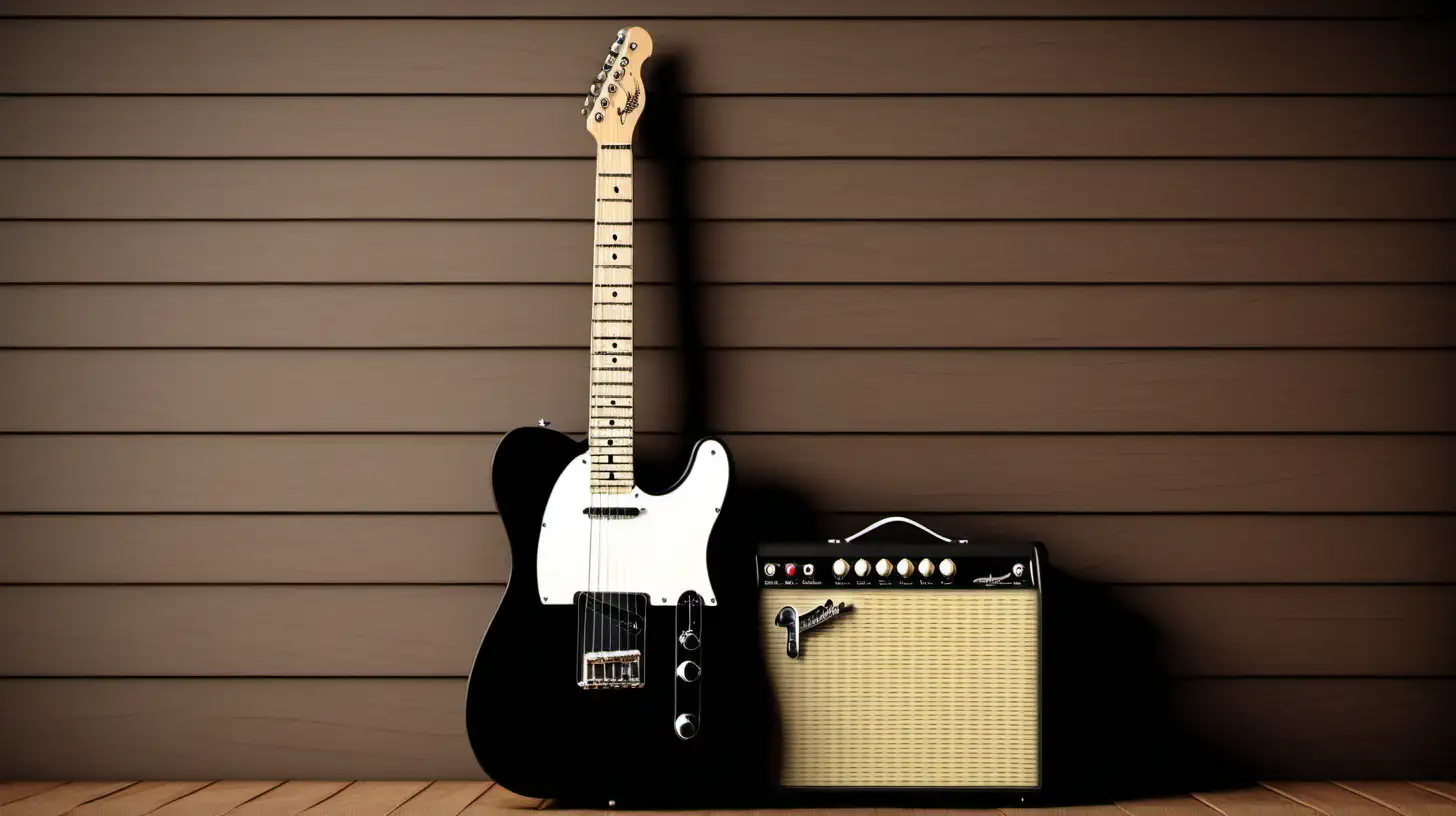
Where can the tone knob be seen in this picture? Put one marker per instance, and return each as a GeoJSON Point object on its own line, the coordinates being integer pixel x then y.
{"type": "Point", "coordinates": [927, 567]}
{"type": "Point", "coordinates": [947, 568]}
{"type": "Point", "coordinates": [689, 671]}
{"type": "Point", "coordinates": [841, 568]}
{"type": "Point", "coordinates": [905, 567]}
{"type": "Point", "coordinates": [689, 640]}
{"type": "Point", "coordinates": [883, 567]}
{"type": "Point", "coordinates": [686, 726]}
{"type": "Point", "coordinates": [861, 568]}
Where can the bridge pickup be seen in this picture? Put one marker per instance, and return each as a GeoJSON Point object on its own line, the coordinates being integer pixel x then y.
{"type": "Point", "coordinates": [621, 668]}
{"type": "Point", "coordinates": [612, 512]}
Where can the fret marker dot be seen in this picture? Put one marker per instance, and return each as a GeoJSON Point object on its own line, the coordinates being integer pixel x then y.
{"type": "Point", "coordinates": [614, 256]}
{"type": "Point", "coordinates": [614, 345]}
{"type": "Point", "coordinates": [616, 189]}
{"type": "Point", "coordinates": [609, 441]}
{"type": "Point", "coordinates": [614, 359]}
{"type": "Point", "coordinates": [614, 294]}
{"type": "Point", "coordinates": [614, 236]}
{"type": "Point", "coordinates": [611, 422]}
{"type": "Point", "coordinates": [614, 402]}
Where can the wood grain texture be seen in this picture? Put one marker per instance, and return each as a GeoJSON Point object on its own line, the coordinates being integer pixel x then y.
{"type": "Point", "coordinates": [499, 800]}
{"type": "Point", "coordinates": [392, 631]}
{"type": "Point", "coordinates": [138, 800]}
{"type": "Point", "coordinates": [11, 791]}
{"type": "Point", "coordinates": [873, 189]}
{"type": "Point", "coordinates": [1252, 802]}
{"type": "Point", "coordinates": [1443, 788]}
{"type": "Point", "coordinates": [325, 729]}
{"type": "Point", "coordinates": [1403, 797]}
{"type": "Point", "coordinates": [733, 252]}
{"type": "Point", "coordinates": [216, 799]}
{"type": "Point", "coordinates": [367, 799]}
{"type": "Point", "coordinates": [443, 799]}
{"type": "Point", "coordinates": [56, 801]}
{"type": "Point", "coordinates": [1329, 799]}
{"type": "Point", "coordinates": [995, 473]}
{"type": "Point", "coordinates": [925, 127]}
{"type": "Point", "coordinates": [769, 316]}
{"type": "Point", "coordinates": [369, 549]}
{"type": "Point", "coordinates": [291, 797]}
{"type": "Point", "coordinates": [1183, 805]}
{"type": "Point", "coordinates": [719, 8]}
{"type": "Point", "coordinates": [729, 56]}
{"type": "Point", "coordinates": [762, 391]}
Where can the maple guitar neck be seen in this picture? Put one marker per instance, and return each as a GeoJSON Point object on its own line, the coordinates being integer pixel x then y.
{"type": "Point", "coordinates": [610, 409]}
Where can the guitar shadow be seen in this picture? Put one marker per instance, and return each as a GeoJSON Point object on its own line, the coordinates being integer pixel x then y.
{"type": "Point", "coordinates": [1110, 731]}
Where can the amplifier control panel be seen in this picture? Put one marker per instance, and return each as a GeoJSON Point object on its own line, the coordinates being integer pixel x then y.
{"type": "Point", "coordinates": [907, 567]}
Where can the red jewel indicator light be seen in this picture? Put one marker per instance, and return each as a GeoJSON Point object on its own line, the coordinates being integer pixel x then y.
{"type": "Point", "coordinates": [790, 569]}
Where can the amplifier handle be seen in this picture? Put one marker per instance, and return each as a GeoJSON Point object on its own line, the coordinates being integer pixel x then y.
{"type": "Point", "coordinates": [888, 519]}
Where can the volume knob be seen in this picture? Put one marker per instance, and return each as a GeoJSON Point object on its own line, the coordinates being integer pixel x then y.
{"type": "Point", "coordinates": [947, 568]}
{"type": "Point", "coordinates": [689, 671]}
{"type": "Point", "coordinates": [841, 568]}
{"type": "Point", "coordinates": [686, 726]}
{"type": "Point", "coordinates": [905, 567]}
{"type": "Point", "coordinates": [883, 567]}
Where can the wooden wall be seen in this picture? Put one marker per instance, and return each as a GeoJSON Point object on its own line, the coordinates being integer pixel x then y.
{"type": "Point", "coordinates": [1165, 284]}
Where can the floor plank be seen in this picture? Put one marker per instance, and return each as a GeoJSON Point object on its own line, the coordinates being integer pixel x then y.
{"type": "Point", "coordinates": [1094, 810]}
{"type": "Point", "coordinates": [13, 791]}
{"type": "Point", "coordinates": [1183, 805]}
{"type": "Point", "coordinates": [1328, 798]}
{"type": "Point", "coordinates": [61, 800]}
{"type": "Point", "coordinates": [499, 800]}
{"type": "Point", "coordinates": [289, 799]}
{"type": "Point", "coordinates": [1446, 789]}
{"type": "Point", "coordinates": [1253, 802]}
{"type": "Point", "coordinates": [1404, 797]}
{"type": "Point", "coordinates": [139, 799]}
{"type": "Point", "coordinates": [216, 799]}
{"type": "Point", "coordinates": [443, 799]}
{"type": "Point", "coordinates": [367, 799]}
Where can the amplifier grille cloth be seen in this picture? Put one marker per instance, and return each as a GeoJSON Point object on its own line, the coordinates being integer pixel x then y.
{"type": "Point", "coordinates": [917, 688]}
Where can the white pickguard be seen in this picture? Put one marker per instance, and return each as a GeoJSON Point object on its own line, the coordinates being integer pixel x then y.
{"type": "Point", "coordinates": [662, 552]}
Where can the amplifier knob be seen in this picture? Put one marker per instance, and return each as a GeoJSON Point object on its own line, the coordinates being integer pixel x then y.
{"type": "Point", "coordinates": [905, 567]}
{"type": "Point", "coordinates": [770, 569]}
{"type": "Point", "coordinates": [927, 567]}
{"type": "Point", "coordinates": [686, 726]}
{"type": "Point", "coordinates": [947, 568]}
{"type": "Point", "coordinates": [841, 568]}
{"type": "Point", "coordinates": [883, 567]}
{"type": "Point", "coordinates": [861, 568]}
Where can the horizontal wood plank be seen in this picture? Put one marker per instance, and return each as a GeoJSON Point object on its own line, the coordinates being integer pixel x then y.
{"type": "Point", "coordinates": [392, 631]}
{"type": "Point", "coordinates": [348, 729]}
{"type": "Point", "coordinates": [290, 798]}
{"type": "Point", "coordinates": [13, 791]}
{"type": "Point", "coordinates": [733, 252]}
{"type": "Point", "coordinates": [315, 549]}
{"type": "Point", "coordinates": [755, 391]}
{"type": "Point", "coordinates": [720, 8]}
{"type": "Point", "coordinates": [925, 127]}
{"type": "Point", "coordinates": [1327, 798]}
{"type": "Point", "coordinates": [1023, 473]}
{"type": "Point", "coordinates": [875, 189]}
{"type": "Point", "coordinates": [939, 316]}
{"type": "Point", "coordinates": [373, 798]}
{"type": "Point", "coordinates": [728, 56]}
{"type": "Point", "coordinates": [1403, 797]}
{"type": "Point", "coordinates": [443, 799]}
{"type": "Point", "coordinates": [138, 800]}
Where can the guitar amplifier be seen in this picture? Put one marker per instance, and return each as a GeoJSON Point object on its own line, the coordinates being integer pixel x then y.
{"type": "Point", "coordinates": [906, 665]}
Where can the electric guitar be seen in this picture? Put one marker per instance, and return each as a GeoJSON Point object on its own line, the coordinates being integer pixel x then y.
{"type": "Point", "coordinates": [594, 680]}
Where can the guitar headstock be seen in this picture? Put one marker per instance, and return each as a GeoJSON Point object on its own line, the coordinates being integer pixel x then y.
{"type": "Point", "coordinates": [617, 95]}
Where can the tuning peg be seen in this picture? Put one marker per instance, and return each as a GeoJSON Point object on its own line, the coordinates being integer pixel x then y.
{"type": "Point", "coordinates": [601, 76]}
{"type": "Point", "coordinates": [587, 102]}
{"type": "Point", "coordinates": [621, 34]}
{"type": "Point", "coordinates": [594, 89]}
{"type": "Point", "coordinates": [584, 111]}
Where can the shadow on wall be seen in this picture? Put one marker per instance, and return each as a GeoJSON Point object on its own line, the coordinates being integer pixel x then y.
{"type": "Point", "coordinates": [1110, 731]}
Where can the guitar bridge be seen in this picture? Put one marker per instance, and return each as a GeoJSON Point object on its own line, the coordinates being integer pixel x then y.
{"type": "Point", "coordinates": [610, 639]}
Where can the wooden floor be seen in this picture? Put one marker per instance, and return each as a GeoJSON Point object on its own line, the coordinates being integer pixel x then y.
{"type": "Point", "coordinates": [479, 798]}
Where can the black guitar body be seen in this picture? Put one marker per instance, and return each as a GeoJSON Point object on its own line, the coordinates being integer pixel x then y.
{"type": "Point", "coordinates": [537, 733]}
